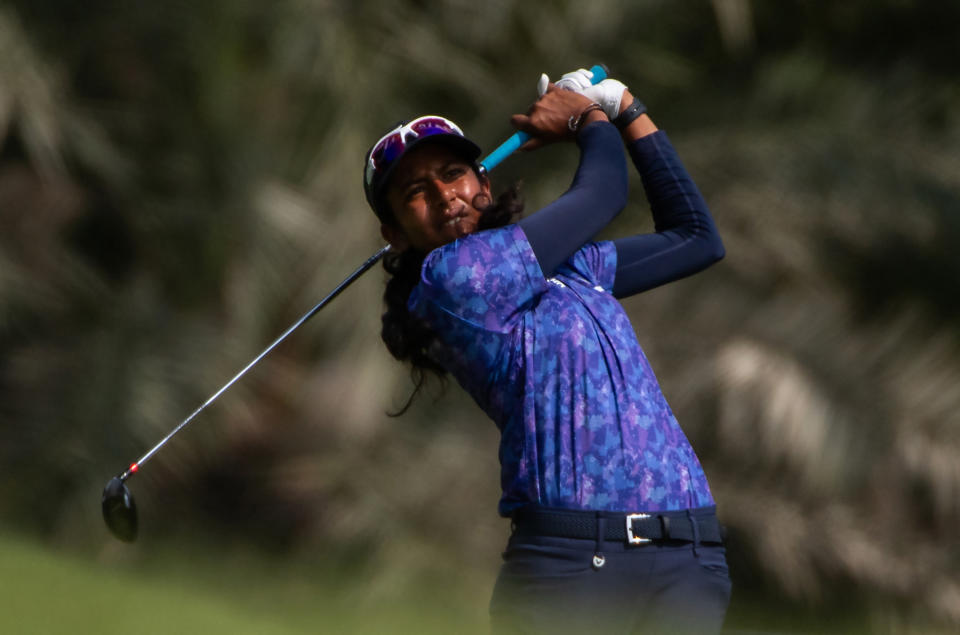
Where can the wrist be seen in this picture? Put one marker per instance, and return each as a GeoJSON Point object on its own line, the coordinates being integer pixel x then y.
{"type": "Point", "coordinates": [594, 115]}
{"type": "Point", "coordinates": [633, 120]}
{"type": "Point", "coordinates": [630, 112]}
{"type": "Point", "coordinates": [592, 112]}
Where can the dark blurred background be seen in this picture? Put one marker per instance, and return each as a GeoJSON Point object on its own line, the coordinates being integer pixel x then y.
{"type": "Point", "coordinates": [180, 181]}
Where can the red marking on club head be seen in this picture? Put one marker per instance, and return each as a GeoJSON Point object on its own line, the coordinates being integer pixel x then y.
{"type": "Point", "coordinates": [133, 468]}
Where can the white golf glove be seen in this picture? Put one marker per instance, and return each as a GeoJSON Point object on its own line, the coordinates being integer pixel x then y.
{"type": "Point", "coordinates": [607, 93]}
{"type": "Point", "coordinates": [576, 81]}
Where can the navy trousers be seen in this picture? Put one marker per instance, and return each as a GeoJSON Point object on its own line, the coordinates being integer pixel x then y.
{"type": "Point", "coordinates": [552, 585]}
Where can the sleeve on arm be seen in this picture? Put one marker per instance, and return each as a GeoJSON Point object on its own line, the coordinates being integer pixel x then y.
{"type": "Point", "coordinates": [685, 239]}
{"type": "Point", "coordinates": [596, 263]}
{"type": "Point", "coordinates": [597, 195]}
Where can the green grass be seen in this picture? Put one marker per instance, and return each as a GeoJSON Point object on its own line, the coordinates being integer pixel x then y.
{"type": "Point", "coordinates": [48, 592]}
{"type": "Point", "coordinates": [192, 589]}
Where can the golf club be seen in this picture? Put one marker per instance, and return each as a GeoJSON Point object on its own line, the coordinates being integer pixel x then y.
{"type": "Point", "coordinates": [119, 508]}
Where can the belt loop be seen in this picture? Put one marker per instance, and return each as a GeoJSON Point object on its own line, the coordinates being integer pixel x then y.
{"type": "Point", "coordinates": [598, 558]}
{"type": "Point", "coordinates": [696, 531]}
{"type": "Point", "coordinates": [665, 526]}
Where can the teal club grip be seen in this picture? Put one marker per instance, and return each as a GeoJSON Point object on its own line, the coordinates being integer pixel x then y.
{"type": "Point", "coordinates": [511, 145]}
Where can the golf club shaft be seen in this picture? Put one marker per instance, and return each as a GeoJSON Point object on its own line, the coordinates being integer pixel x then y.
{"type": "Point", "coordinates": [372, 260]}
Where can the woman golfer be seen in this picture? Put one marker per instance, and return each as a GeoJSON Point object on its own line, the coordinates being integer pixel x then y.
{"type": "Point", "coordinates": [613, 525]}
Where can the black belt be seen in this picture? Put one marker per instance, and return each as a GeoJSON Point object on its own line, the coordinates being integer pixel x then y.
{"type": "Point", "coordinates": [696, 525]}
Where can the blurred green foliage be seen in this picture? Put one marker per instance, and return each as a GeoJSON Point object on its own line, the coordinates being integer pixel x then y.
{"type": "Point", "coordinates": [179, 182]}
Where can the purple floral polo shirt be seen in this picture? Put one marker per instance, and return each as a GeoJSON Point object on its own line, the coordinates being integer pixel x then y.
{"type": "Point", "coordinates": [556, 364]}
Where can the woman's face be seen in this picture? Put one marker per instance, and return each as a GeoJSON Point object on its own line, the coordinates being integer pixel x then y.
{"type": "Point", "coordinates": [432, 194]}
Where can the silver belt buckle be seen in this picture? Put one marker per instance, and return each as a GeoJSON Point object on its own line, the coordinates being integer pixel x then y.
{"type": "Point", "coordinates": [636, 540]}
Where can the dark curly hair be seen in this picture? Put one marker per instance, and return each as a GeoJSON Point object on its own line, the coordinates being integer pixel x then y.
{"type": "Point", "coordinates": [407, 338]}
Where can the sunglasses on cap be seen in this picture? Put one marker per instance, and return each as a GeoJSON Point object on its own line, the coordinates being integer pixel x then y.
{"type": "Point", "coordinates": [392, 145]}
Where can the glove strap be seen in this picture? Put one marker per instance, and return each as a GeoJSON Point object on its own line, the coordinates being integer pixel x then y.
{"type": "Point", "coordinates": [627, 117]}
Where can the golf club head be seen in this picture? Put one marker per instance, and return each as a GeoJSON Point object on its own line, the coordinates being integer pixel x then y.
{"type": "Point", "coordinates": [119, 510]}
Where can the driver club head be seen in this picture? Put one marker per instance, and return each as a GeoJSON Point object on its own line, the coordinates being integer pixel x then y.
{"type": "Point", "coordinates": [119, 510]}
